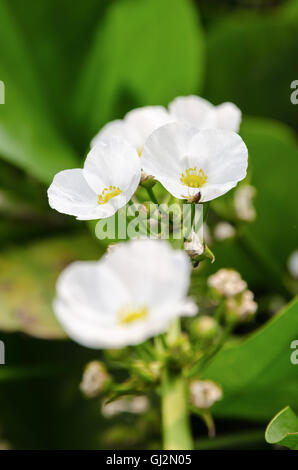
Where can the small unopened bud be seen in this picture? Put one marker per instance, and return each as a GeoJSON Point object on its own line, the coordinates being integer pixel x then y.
{"type": "Point", "coordinates": [227, 282]}
{"type": "Point", "coordinates": [244, 203]}
{"type": "Point", "coordinates": [204, 328]}
{"type": "Point", "coordinates": [135, 405]}
{"type": "Point", "coordinates": [148, 372]}
{"type": "Point", "coordinates": [204, 393]}
{"type": "Point", "coordinates": [194, 247]}
{"type": "Point", "coordinates": [147, 181]}
{"type": "Point", "coordinates": [241, 307]}
{"type": "Point", "coordinates": [293, 264]}
{"type": "Point", "coordinates": [223, 231]}
{"type": "Point", "coordinates": [94, 379]}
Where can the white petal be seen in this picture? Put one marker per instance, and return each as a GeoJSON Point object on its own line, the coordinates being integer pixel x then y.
{"type": "Point", "coordinates": [153, 272]}
{"type": "Point", "coordinates": [136, 126]}
{"type": "Point", "coordinates": [117, 128]}
{"type": "Point", "coordinates": [144, 121]}
{"type": "Point", "coordinates": [194, 111]}
{"type": "Point", "coordinates": [70, 194]}
{"type": "Point", "coordinates": [166, 149]}
{"type": "Point", "coordinates": [113, 162]}
{"type": "Point", "coordinates": [223, 156]}
{"type": "Point", "coordinates": [228, 117]}
{"type": "Point", "coordinates": [141, 273]}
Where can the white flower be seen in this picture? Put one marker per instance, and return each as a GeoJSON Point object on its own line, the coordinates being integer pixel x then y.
{"type": "Point", "coordinates": [94, 378]}
{"type": "Point", "coordinates": [131, 294]}
{"type": "Point", "coordinates": [224, 230]}
{"type": "Point", "coordinates": [198, 112]}
{"type": "Point", "coordinates": [293, 264]}
{"type": "Point", "coordinates": [189, 162]}
{"type": "Point", "coordinates": [242, 307]}
{"type": "Point", "coordinates": [243, 202]}
{"type": "Point", "coordinates": [204, 393]}
{"type": "Point", "coordinates": [110, 176]}
{"type": "Point", "coordinates": [227, 282]}
{"type": "Point", "coordinates": [136, 126]}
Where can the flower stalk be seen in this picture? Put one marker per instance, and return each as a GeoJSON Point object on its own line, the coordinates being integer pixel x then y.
{"type": "Point", "coordinates": [174, 404]}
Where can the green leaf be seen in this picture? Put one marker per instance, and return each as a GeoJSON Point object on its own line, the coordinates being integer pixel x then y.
{"type": "Point", "coordinates": [27, 285]}
{"type": "Point", "coordinates": [28, 137]}
{"type": "Point", "coordinates": [144, 53]}
{"type": "Point", "coordinates": [273, 154]}
{"type": "Point", "coordinates": [66, 33]}
{"type": "Point", "coordinates": [255, 64]}
{"type": "Point", "coordinates": [262, 253]}
{"type": "Point", "coordinates": [283, 429]}
{"type": "Point", "coordinates": [257, 375]}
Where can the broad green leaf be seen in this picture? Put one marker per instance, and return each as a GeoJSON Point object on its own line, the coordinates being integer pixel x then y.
{"type": "Point", "coordinates": [144, 53]}
{"type": "Point", "coordinates": [257, 376]}
{"type": "Point", "coordinates": [59, 36]}
{"type": "Point", "coordinates": [252, 60]}
{"type": "Point", "coordinates": [28, 137]}
{"type": "Point", "coordinates": [27, 283]}
{"type": "Point", "coordinates": [283, 429]}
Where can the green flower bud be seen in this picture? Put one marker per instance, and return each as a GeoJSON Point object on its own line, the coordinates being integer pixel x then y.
{"type": "Point", "coordinates": [204, 328]}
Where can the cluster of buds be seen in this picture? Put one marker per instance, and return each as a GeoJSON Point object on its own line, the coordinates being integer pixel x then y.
{"type": "Point", "coordinates": [238, 300]}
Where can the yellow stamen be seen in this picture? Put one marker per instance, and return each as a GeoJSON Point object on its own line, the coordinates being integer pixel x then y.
{"type": "Point", "coordinates": [108, 193]}
{"type": "Point", "coordinates": [140, 151]}
{"type": "Point", "coordinates": [193, 178]}
{"type": "Point", "coordinates": [128, 314]}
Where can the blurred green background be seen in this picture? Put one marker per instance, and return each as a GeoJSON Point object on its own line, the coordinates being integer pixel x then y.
{"type": "Point", "coordinates": [69, 67]}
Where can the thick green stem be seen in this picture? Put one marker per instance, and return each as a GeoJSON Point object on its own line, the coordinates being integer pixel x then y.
{"type": "Point", "coordinates": [175, 414]}
{"type": "Point", "coordinates": [174, 405]}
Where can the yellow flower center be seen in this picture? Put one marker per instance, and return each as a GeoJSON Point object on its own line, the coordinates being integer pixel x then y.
{"type": "Point", "coordinates": [108, 193]}
{"type": "Point", "coordinates": [193, 177]}
{"type": "Point", "coordinates": [129, 314]}
{"type": "Point", "coordinates": [140, 151]}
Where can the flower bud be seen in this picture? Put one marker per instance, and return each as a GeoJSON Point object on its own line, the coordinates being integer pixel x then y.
{"type": "Point", "coordinates": [193, 246]}
{"type": "Point", "coordinates": [204, 393]}
{"type": "Point", "coordinates": [134, 405]}
{"type": "Point", "coordinates": [243, 203]}
{"type": "Point", "coordinates": [204, 328]}
{"type": "Point", "coordinates": [293, 264]}
{"type": "Point", "coordinates": [94, 380]}
{"type": "Point", "coordinates": [241, 307]}
{"type": "Point", "coordinates": [147, 372]}
{"type": "Point", "coordinates": [223, 231]}
{"type": "Point", "coordinates": [227, 282]}
{"type": "Point", "coordinates": [147, 181]}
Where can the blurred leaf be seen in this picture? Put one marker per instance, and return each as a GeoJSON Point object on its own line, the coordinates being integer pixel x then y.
{"type": "Point", "coordinates": [255, 57]}
{"type": "Point", "coordinates": [283, 429]}
{"type": "Point", "coordinates": [58, 35]}
{"type": "Point", "coordinates": [257, 375]}
{"type": "Point", "coordinates": [145, 53]}
{"type": "Point", "coordinates": [27, 283]}
{"type": "Point", "coordinates": [262, 251]}
{"type": "Point", "coordinates": [274, 166]}
{"type": "Point", "coordinates": [27, 135]}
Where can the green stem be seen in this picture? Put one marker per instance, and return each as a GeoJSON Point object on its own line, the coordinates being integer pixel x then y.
{"type": "Point", "coordinates": [174, 405]}
{"type": "Point", "coordinates": [152, 195]}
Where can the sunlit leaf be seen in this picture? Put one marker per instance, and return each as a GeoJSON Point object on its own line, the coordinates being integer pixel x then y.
{"type": "Point", "coordinates": [283, 429]}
